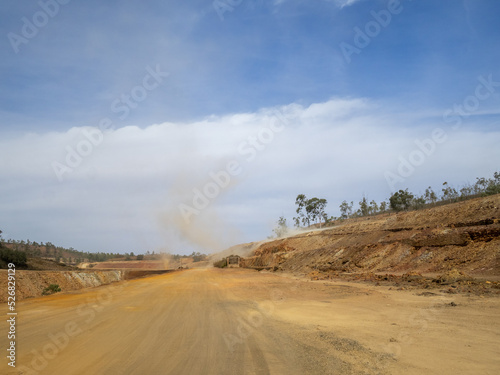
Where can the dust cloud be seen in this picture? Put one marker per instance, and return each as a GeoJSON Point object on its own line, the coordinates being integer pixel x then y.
{"type": "Point", "coordinates": [187, 227]}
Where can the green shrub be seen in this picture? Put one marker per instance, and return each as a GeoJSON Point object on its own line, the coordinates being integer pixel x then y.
{"type": "Point", "coordinates": [221, 263]}
{"type": "Point", "coordinates": [51, 289]}
{"type": "Point", "coordinates": [401, 200]}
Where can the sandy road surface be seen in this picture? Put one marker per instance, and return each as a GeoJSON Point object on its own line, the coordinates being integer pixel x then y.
{"type": "Point", "coordinates": [212, 321]}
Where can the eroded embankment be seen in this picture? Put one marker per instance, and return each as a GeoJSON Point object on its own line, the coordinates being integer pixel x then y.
{"type": "Point", "coordinates": [32, 283]}
{"type": "Point", "coordinates": [464, 236]}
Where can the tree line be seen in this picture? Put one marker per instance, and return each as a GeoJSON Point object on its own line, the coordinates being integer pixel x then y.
{"type": "Point", "coordinates": [312, 211]}
{"type": "Point", "coordinates": [20, 250]}
{"type": "Point", "coordinates": [12, 256]}
{"type": "Point", "coordinates": [60, 254]}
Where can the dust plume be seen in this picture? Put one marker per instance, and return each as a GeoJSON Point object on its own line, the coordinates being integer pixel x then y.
{"type": "Point", "coordinates": [190, 227]}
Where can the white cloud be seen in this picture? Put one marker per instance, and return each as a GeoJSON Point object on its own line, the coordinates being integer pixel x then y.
{"type": "Point", "coordinates": [339, 3]}
{"type": "Point", "coordinates": [345, 3]}
{"type": "Point", "coordinates": [125, 195]}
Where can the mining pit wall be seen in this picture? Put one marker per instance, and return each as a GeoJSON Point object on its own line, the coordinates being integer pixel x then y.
{"type": "Point", "coordinates": [32, 283]}
{"type": "Point", "coordinates": [464, 236]}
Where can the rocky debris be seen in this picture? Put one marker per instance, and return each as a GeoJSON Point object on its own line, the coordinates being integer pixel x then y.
{"type": "Point", "coordinates": [456, 281]}
{"type": "Point", "coordinates": [451, 277]}
{"type": "Point", "coordinates": [439, 238]}
{"type": "Point", "coordinates": [412, 276]}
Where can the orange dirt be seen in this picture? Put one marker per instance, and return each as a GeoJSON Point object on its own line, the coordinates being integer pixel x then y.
{"type": "Point", "coordinates": [463, 236]}
{"type": "Point", "coordinates": [237, 321]}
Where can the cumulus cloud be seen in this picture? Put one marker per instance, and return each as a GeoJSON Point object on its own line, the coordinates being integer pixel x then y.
{"type": "Point", "coordinates": [209, 184]}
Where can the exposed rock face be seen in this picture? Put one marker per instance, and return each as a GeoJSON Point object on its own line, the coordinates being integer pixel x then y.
{"type": "Point", "coordinates": [463, 236]}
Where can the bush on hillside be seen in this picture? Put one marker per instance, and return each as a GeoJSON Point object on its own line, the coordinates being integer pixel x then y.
{"type": "Point", "coordinates": [51, 289]}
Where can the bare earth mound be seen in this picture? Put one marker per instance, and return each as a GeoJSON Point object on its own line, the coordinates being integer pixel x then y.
{"type": "Point", "coordinates": [461, 237]}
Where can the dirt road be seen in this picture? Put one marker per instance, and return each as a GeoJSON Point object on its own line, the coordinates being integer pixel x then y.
{"type": "Point", "coordinates": [212, 321]}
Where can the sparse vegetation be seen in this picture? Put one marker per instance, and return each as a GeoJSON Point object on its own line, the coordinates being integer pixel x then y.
{"type": "Point", "coordinates": [405, 200]}
{"type": "Point", "coordinates": [281, 228]}
{"type": "Point", "coordinates": [311, 211]}
{"type": "Point", "coordinates": [197, 256]}
{"type": "Point", "coordinates": [221, 263]}
{"type": "Point", "coordinates": [51, 289]}
{"type": "Point", "coordinates": [345, 209]}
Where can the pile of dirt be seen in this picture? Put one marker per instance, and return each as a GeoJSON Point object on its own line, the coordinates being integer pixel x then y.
{"type": "Point", "coordinates": [453, 276]}
{"type": "Point", "coordinates": [451, 241]}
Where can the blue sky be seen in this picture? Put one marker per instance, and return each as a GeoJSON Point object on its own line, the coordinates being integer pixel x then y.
{"type": "Point", "coordinates": [222, 79]}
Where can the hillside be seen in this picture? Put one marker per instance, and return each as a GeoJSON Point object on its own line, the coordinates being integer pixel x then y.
{"type": "Point", "coordinates": [39, 264]}
{"type": "Point", "coordinates": [461, 237]}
